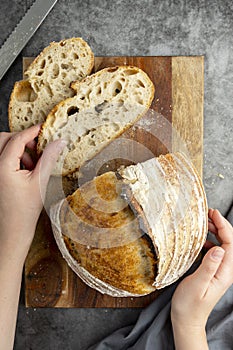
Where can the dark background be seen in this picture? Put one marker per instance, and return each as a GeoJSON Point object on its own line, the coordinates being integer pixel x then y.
{"type": "Point", "coordinates": [163, 27]}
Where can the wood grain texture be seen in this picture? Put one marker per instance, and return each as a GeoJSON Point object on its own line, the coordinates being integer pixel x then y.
{"type": "Point", "coordinates": [49, 282]}
{"type": "Point", "coordinates": [187, 103]}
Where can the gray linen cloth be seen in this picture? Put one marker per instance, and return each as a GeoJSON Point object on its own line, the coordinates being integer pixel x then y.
{"type": "Point", "coordinates": [153, 329]}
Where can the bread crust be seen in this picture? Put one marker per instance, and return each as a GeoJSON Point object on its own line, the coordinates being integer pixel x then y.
{"type": "Point", "coordinates": [182, 225]}
{"type": "Point", "coordinates": [177, 235]}
{"type": "Point", "coordinates": [115, 98]}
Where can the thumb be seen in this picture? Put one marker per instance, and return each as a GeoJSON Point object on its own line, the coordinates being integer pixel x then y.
{"type": "Point", "coordinates": [47, 162]}
{"type": "Point", "coordinates": [208, 268]}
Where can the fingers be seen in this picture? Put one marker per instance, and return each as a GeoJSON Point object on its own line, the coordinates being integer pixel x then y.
{"type": "Point", "coordinates": [223, 231]}
{"type": "Point", "coordinates": [4, 138]}
{"type": "Point", "coordinates": [47, 162]}
{"type": "Point", "coordinates": [31, 145]}
{"type": "Point", "coordinates": [13, 147]}
{"type": "Point", "coordinates": [211, 262]}
{"type": "Point", "coordinates": [220, 227]}
{"type": "Point", "coordinates": [224, 228]}
{"type": "Point", "coordinates": [27, 161]}
{"type": "Point", "coordinates": [210, 213]}
{"type": "Point", "coordinates": [212, 228]}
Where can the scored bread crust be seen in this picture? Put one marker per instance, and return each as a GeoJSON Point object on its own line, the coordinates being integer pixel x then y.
{"type": "Point", "coordinates": [48, 80]}
{"type": "Point", "coordinates": [105, 105]}
{"type": "Point", "coordinates": [178, 226]}
{"type": "Point", "coordinates": [168, 200]}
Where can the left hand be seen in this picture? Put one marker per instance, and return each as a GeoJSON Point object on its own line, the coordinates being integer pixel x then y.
{"type": "Point", "coordinates": [22, 190]}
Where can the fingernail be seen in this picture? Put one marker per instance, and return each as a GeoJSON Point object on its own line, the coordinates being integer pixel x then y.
{"type": "Point", "coordinates": [217, 253]}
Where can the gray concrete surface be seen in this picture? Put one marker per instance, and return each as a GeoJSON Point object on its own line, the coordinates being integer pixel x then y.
{"type": "Point", "coordinates": [139, 27]}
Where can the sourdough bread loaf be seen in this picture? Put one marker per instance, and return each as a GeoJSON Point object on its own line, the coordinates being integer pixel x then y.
{"type": "Point", "coordinates": [100, 238]}
{"type": "Point", "coordinates": [105, 105]}
{"type": "Point", "coordinates": [130, 233]}
{"type": "Point", "coordinates": [48, 81]}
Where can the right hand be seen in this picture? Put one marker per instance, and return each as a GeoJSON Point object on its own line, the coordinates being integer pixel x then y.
{"type": "Point", "coordinates": [197, 294]}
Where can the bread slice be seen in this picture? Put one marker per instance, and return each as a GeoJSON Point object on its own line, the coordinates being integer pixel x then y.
{"type": "Point", "coordinates": [48, 81]}
{"type": "Point", "coordinates": [105, 105]}
{"type": "Point", "coordinates": [130, 233]}
{"type": "Point", "coordinates": [100, 234]}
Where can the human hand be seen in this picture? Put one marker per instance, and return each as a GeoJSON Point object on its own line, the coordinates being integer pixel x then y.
{"type": "Point", "coordinates": [22, 191]}
{"type": "Point", "coordinates": [198, 293]}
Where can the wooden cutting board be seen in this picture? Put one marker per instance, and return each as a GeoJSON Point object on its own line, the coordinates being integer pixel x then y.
{"type": "Point", "coordinates": [179, 91]}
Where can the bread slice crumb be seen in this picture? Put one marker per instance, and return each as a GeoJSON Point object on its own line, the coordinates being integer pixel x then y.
{"type": "Point", "coordinates": [48, 82]}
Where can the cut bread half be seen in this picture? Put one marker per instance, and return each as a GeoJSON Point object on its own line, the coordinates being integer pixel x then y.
{"type": "Point", "coordinates": [130, 233]}
{"type": "Point", "coordinates": [101, 240]}
{"type": "Point", "coordinates": [48, 81]}
{"type": "Point", "coordinates": [105, 105]}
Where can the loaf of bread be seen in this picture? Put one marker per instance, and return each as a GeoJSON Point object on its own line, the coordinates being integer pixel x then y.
{"type": "Point", "coordinates": [130, 233]}
{"type": "Point", "coordinates": [48, 81]}
{"type": "Point", "coordinates": [101, 234]}
{"type": "Point", "coordinates": [105, 105]}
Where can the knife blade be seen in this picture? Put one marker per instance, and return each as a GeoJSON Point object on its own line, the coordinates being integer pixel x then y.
{"type": "Point", "coordinates": [23, 32]}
